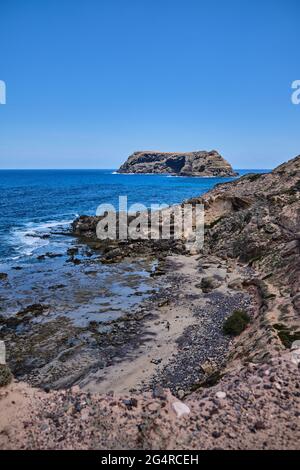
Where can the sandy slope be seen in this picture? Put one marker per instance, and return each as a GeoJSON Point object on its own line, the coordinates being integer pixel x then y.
{"type": "Point", "coordinates": [257, 409]}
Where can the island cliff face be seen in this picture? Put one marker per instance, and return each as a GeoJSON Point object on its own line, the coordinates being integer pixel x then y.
{"type": "Point", "coordinates": [200, 163]}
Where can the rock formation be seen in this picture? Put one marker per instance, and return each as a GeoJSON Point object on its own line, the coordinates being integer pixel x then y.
{"type": "Point", "coordinates": [256, 220]}
{"type": "Point", "coordinates": [199, 163]}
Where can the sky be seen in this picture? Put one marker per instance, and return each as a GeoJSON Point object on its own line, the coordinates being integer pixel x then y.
{"type": "Point", "coordinates": [88, 82]}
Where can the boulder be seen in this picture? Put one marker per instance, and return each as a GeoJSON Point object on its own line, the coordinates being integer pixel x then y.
{"type": "Point", "coordinates": [209, 283]}
{"type": "Point", "coordinates": [235, 284]}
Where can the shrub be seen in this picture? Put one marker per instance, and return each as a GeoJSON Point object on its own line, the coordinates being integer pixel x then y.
{"type": "Point", "coordinates": [253, 176]}
{"type": "Point", "coordinates": [236, 323]}
{"type": "Point", "coordinates": [5, 375]}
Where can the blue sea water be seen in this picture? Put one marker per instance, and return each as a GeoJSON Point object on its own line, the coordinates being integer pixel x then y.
{"type": "Point", "coordinates": [39, 202]}
{"type": "Point", "coordinates": [36, 209]}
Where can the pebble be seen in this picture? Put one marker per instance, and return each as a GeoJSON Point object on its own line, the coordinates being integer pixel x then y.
{"type": "Point", "coordinates": [180, 409]}
{"type": "Point", "coordinates": [158, 392]}
{"type": "Point", "coordinates": [156, 361]}
{"type": "Point", "coordinates": [220, 395]}
{"type": "Point", "coordinates": [130, 403]}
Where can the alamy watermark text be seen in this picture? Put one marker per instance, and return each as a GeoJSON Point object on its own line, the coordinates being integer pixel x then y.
{"type": "Point", "coordinates": [2, 92]}
{"type": "Point", "coordinates": [296, 94]}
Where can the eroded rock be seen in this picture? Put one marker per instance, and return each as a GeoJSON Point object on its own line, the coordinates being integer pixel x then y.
{"type": "Point", "coordinates": [199, 163]}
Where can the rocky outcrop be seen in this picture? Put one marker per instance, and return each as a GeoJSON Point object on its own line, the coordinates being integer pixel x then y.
{"type": "Point", "coordinates": [256, 220]}
{"type": "Point", "coordinates": [113, 251]}
{"type": "Point", "coordinates": [199, 163]}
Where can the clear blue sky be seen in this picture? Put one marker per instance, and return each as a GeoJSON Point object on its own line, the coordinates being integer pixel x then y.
{"type": "Point", "coordinates": [91, 81]}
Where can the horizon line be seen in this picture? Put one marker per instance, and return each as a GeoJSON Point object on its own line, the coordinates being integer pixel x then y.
{"type": "Point", "coordinates": [115, 169]}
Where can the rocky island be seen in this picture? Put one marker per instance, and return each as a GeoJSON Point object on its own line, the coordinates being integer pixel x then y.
{"type": "Point", "coordinates": [199, 163]}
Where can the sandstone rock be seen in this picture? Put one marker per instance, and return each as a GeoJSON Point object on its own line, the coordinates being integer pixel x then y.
{"type": "Point", "coordinates": [200, 163]}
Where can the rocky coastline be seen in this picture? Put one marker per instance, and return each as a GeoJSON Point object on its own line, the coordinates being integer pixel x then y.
{"type": "Point", "coordinates": [240, 385]}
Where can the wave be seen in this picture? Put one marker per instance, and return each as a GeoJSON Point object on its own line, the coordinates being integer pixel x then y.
{"type": "Point", "coordinates": [174, 176]}
{"type": "Point", "coordinates": [26, 242]}
{"type": "Point", "coordinates": [31, 236]}
{"type": "Point", "coordinates": [50, 224]}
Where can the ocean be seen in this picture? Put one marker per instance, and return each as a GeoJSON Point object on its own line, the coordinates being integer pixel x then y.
{"type": "Point", "coordinates": [36, 206]}
{"type": "Point", "coordinates": [37, 202]}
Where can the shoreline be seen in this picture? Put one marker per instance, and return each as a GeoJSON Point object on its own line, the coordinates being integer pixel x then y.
{"type": "Point", "coordinates": [138, 348]}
